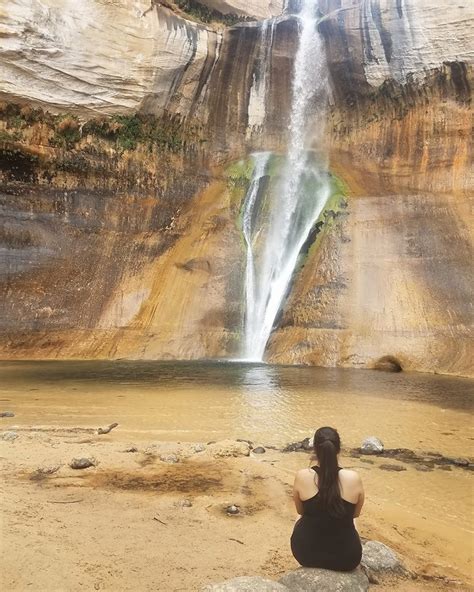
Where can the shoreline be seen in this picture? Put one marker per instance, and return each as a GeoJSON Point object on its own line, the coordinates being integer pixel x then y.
{"type": "Point", "coordinates": [116, 525]}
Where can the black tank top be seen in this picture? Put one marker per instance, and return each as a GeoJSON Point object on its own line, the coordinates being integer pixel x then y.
{"type": "Point", "coordinates": [322, 540]}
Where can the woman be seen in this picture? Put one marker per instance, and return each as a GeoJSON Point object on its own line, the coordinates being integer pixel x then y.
{"type": "Point", "coordinates": [328, 499]}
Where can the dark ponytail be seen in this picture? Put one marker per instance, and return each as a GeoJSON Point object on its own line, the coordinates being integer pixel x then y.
{"type": "Point", "coordinates": [327, 446]}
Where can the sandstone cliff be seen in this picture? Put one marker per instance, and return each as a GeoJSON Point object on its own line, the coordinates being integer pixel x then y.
{"type": "Point", "coordinates": [120, 210]}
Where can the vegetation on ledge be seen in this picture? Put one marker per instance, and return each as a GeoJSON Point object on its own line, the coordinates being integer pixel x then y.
{"type": "Point", "coordinates": [168, 132]}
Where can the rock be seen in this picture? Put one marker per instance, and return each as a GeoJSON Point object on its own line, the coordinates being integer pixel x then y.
{"type": "Point", "coordinates": [259, 450]}
{"type": "Point", "coordinates": [198, 448]}
{"type": "Point", "coordinates": [293, 447]}
{"type": "Point", "coordinates": [460, 462]}
{"type": "Point", "coordinates": [169, 458]}
{"type": "Point", "coordinates": [131, 449]}
{"type": "Point", "coordinates": [7, 414]}
{"type": "Point", "coordinates": [307, 443]}
{"type": "Point", "coordinates": [371, 445]}
{"type": "Point", "coordinates": [388, 467]}
{"type": "Point", "coordinates": [9, 436]}
{"type": "Point", "coordinates": [377, 559]}
{"type": "Point", "coordinates": [246, 584]}
{"type": "Point", "coordinates": [226, 448]}
{"type": "Point", "coordinates": [423, 468]}
{"type": "Point", "coordinates": [232, 510]}
{"type": "Point", "coordinates": [82, 463]}
{"type": "Point", "coordinates": [108, 429]}
{"type": "Point", "coordinates": [306, 579]}
{"type": "Point", "coordinates": [44, 472]}
{"type": "Point", "coordinates": [187, 503]}
{"type": "Point", "coordinates": [446, 468]}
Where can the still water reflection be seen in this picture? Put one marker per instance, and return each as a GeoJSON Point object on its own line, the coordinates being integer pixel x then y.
{"type": "Point", "coordinates": [209, 400]}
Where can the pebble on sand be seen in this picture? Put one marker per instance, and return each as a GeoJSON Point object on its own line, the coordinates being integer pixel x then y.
{"type": "Point", "coordinates": [82, 463]}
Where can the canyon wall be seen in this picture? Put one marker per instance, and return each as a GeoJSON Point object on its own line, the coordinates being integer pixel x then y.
{"type": "Point", "coordinates": [124, 136]}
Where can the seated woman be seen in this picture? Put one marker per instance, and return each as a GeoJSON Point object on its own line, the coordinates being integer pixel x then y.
{"type": "Point", "coordinates": [328, 499]}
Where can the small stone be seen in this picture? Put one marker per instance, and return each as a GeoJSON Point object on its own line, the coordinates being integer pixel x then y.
{"type": "Point", "coordinates": [307, 579]}
{"type": "Point", "coordinates": [307, 443]}
{"type": "Point", "coordinates": [169, 458]}
{"type": "Point", "coordinates": [259, 450]}
{"type": "Point", "coordinates": [232, 510]}
{"type": "Point", "coordinates": [187, 503]}
{"type": "Point", "coordinates": [198, 448]}
{"type": "Point", "coordinates": [446, 468]}
{"type": "Point", "coordinates": [9, 436]}
{"type": "Point", "coordinates": [367, 460]}
{"type": "Point", "coordinates": [131, 449]}
{"type": "Point", "coordinates": [7, 414]}
{"type": "Point", "coordinates": [246, 584]}
{"type": "Point", "coordinates": [82, 463]}
{"type": "Point", "coordinates": [396, 468]}
{"type": "Point", "coordinates": [371, 445]}
{"type": "Point", "coordinates": [460, 462]}
{"type": "Point", "coordinates": [293, 447]}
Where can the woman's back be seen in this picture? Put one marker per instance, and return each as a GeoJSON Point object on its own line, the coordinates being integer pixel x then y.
{"type": "Point", "coordinates": [328, 499]}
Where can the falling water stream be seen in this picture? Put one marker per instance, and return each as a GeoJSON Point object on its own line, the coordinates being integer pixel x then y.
{"type": "Point", "coordinates": [296, 201]}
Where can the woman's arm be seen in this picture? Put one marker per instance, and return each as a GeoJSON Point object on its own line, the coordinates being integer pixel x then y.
{"type": "Point", "coordinates": [360, 501]}
{"type": "Point", "coordinates": [296, 495]}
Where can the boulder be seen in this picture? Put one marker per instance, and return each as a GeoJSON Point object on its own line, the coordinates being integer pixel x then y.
{"type": "Point", "coordinates": [307, 579]}
{"type": "Point", "coordinates": [371, 445]}
{"type": "Point", "coordinates": [378, 559]}
{"type": "Point", "coordinates": [246, 584]}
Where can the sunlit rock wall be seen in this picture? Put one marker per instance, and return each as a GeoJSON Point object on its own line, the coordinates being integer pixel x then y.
{"type": "Point", "coordinates": [393, 275]}
{"type": "Point", "coordinates": [120, 243]}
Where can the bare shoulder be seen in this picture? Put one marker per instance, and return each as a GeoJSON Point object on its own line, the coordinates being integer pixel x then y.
{"type": "Point", "coordinates": [350, 476]}
{"type": "Point", "coordinates": [303, 475]}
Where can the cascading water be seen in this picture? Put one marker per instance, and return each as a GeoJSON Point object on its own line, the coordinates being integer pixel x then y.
{"type": "Point", "coordinates": [299, 197]}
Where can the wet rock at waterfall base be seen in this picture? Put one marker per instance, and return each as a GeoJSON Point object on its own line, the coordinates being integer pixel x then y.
{"type": "Point", "coordinates": [395, 468]}
{"type": "Point", "coordinates": [259, 450]}
{"type": "Point", "coordinates": [82, 463]}
{"type": "Point", "coordinates": [246, 584]}
{"type": "Point", "coordinates": [307, 579]}
{"type": "Point", "coordinates": [372, 445]}
{"type": "Point", "coordinates": [7, 414]}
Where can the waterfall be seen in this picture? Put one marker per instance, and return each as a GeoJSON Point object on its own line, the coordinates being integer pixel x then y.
{"type": "Point", "coordinates": [299, 196]}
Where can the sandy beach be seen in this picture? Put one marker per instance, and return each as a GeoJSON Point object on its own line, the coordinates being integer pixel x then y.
{"type": "Point", "coordinates": [141, 521]}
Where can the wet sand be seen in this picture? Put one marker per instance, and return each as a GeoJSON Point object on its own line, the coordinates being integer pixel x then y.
{"type": "Point", "coordinates": [135, 522]}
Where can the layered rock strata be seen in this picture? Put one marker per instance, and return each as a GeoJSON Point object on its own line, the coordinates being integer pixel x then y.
{"type": "Point", "coordinates": [120, 236]}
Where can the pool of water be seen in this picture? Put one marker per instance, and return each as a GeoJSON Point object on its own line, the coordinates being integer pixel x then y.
{"type": "Point", "coordinates": [202, 401]}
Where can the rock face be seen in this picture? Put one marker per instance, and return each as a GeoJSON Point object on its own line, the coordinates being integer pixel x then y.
{"type": "Point", "coordinates": [307, 579]}
{"type": "Point", "coordinates": [121, 239]}
{"type": "Point", "coordinates": [400, 123]}
{"type": "Point", "coordinates": [258, 8]}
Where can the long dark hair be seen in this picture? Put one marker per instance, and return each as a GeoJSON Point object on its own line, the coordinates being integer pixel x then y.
{"type": "Point", "coordinates": [327, 445]}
